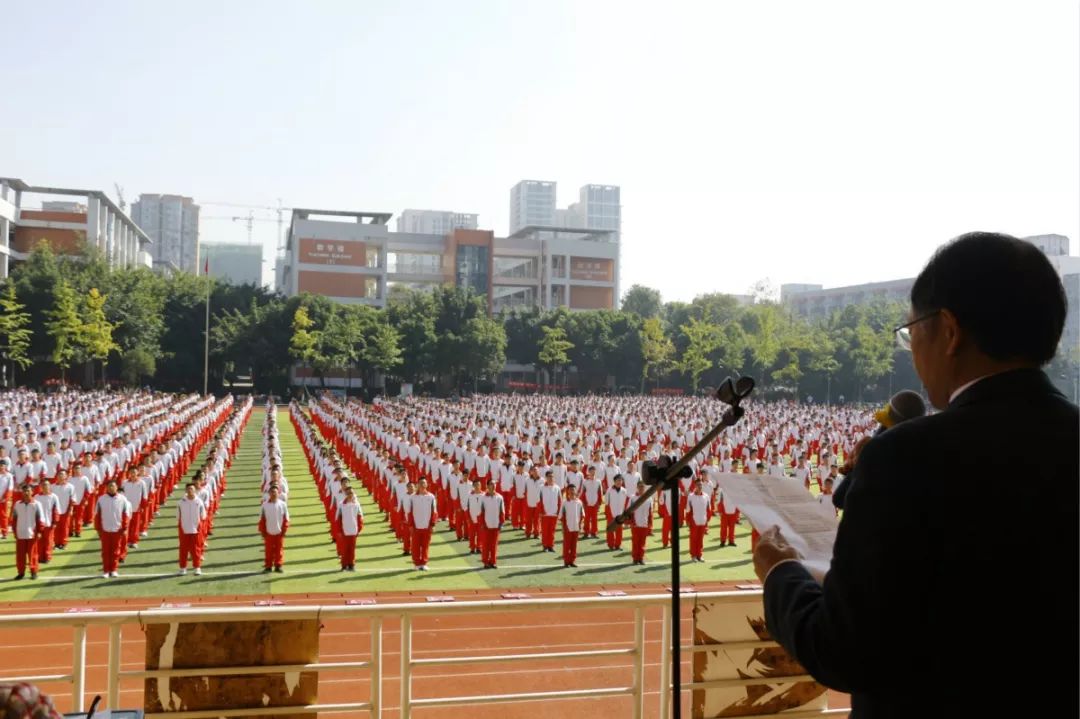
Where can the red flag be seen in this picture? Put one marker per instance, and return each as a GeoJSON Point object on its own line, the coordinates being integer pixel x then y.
{"type": "Point", "coordinates": [206, 267]}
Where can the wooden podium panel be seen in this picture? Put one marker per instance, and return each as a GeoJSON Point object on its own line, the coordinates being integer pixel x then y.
{"type": "Point", "coordinates": [744, 621]}
{"type": "Point", "coordinates": [228, 644]}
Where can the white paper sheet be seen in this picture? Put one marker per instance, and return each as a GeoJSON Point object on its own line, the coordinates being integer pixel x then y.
{"type": "Point", "coordinates": [807, 524]}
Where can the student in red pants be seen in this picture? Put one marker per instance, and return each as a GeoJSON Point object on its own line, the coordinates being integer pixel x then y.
{"type": "Point", "coordinates": [111, 517]}
{"type": "Point", "coordinates": [550, 500]}
{"type": "Point", "coordinates": [492, 516]}
{"type": "Point", "coordinates": [698, 512]}
{"type": "Point", "coordinates": [476, 533]}
{"type": "Point", "coordinates": [7, 493]}
{"type": "Point", "coordinates": [423, 517]}
{"type": "Point", "coordinates": [350, 517]}
{"type": "Point", "coordinates": [591, 490]}
{"type": "Point", "coordinates": [572, 513]}
{"type": "Point", "coordinates": [616, 500]}
{"type": "Point", "coordinates": [190, 515]}
{"type": "Point", "coordinates": [49, 515]}
{"type": "Point", "coordinates": [641, 526]}
{"type": "Point", "coordinates": [26, 522]}
{"type": "Point", "coordinates": [729, 517]}
{"type": "Point", "coordinates": [64, 491]}
{"type": "Point", "coordinates": [273, 524]}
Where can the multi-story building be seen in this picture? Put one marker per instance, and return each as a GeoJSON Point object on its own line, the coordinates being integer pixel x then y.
{"type": "Point", "coordinates": [173, 223]}
{"type": "Point", "coordinates": [435, 222]}
{"type": "Point", "coordinates": [236, 263]}
{"type": "Point", "coordinates": [532, 204]}
{"type": "Point", "coordinates": [598, 208]}
{"type": "Point", "coordinates": [339, 254]}
{"type": "Point", "coordinates": [68, 226]}
{"type": "Point", "coordinates": [814, 302]}
{"type": "Point", "coordinates": [353, 257]}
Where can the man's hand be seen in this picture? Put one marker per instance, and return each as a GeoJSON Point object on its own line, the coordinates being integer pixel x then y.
{"type": "Point", "coordinates": [772, 549]}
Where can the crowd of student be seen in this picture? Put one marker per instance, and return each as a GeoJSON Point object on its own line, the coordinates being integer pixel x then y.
{"type": "Point", "coordinates": [103, 459]}
{"type": "Point", "coordinates": [541, 463]}
{"type": "Point", "coordinates": [536, 464]}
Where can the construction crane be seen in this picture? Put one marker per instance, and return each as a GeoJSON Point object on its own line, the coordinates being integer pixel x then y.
{"type": "Point", "coordinates": [120, 197]}
{"type": "Point", "coordinates": [249, 219]}
{"type": "Point", "coordinates": [280, 209]}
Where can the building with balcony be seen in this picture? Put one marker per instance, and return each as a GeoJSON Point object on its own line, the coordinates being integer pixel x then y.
{"type": "Point", "coordinates": [67, 226]}
{"type": "Point", "coordinates": [353, 257]}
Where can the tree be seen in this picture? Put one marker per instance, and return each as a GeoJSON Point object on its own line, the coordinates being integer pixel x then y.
{"type": "Point", "coordinates": [703, 339]}
{"type": "Point", "coordinates": [97, 331]}
{"type": "Point", "coordinates": [304, 345]}
{"type": "Point", "coordinates": [642, 301]}
{"type": "Point", "coordinates": [486, 340]}
{"type": "Point", "coordinates": [412, 314]}
{"type": "Point", "coordinates": [15, 333]}
{"type": "Point", "coordinates": [65, 327]}
{"type": "Point", "coordinates": [551, 354]}
{"type": "Point", "coordinates": [872, 356]}
{"type": "Point", "coordinates": [656, 351]}
{"type": "Point", "coordinates": [764, 338]}
{"type": "Point", "coordinates": [137, 364]}
{"type": "Point", "coordinates": [382, 347]}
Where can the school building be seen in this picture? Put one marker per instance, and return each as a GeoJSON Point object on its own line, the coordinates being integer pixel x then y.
{"type": "Point", "coordinates": [352, 256]}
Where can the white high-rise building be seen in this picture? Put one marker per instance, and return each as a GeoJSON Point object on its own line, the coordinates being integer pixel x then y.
{"type": "Point", "coordinates": [599, 207]}
{"type": "Point", "coordinates": [532, 203]}
{"type": "Point", "coordinates": [172, 222]}
{"type": "Point", "coordinates": [435, 222]}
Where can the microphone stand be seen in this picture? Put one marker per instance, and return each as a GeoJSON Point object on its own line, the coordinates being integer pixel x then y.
{"type": "Point", "coordinates": [670, 480]}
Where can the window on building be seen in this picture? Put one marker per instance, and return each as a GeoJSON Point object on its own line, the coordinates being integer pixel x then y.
{"type": "Point", "coordinates": [558, 296]}
{"type": "Point", "coordinates": [558, 266]}
{"type": "Point", "coordinates": [471, 268]}
{"type": "Point", "coordinates": [517, 267]}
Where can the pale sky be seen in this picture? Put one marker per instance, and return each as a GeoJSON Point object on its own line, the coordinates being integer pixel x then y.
{"type": "Point", "coordinates": [826, 142]}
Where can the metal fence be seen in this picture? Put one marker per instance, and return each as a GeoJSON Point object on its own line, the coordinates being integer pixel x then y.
{"type": "Point", "coordinates": [373, 703]}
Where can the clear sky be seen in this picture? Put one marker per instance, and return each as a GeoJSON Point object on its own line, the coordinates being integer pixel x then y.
{"type": "Point", "coordinates": [826, 142]}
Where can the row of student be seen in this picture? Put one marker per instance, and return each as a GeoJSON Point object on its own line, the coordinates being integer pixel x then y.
{"type": "Point", "coordinates": [534, 426]}
{"type": "Point", "coordinates": [117, 445]}
{"type": "Point", "coordinates": [196, 509]}
{"type": "Point", "coordinates": [536, 494]}
{"type": "Point", "coordinates": [120, 510]}
{"type": "Point", "coordinates": [344, 511]}
{"type": "Point", "coordinates": [475, 510]}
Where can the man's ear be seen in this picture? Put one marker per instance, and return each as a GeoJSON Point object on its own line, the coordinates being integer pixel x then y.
{"type": "Point", "coordinates": [951, 331]}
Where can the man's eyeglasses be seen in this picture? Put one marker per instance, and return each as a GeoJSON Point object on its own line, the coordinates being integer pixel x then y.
{"type": "Point", "coordinates": [903, 332]}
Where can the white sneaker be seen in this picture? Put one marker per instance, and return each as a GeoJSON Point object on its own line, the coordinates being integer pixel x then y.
{"type": "Point", "coordinates": [142, 534]}
{"type": "Point", "coordinates": [423, 567]}
{"type": "Point", "coordinates": [183, 571]}
{"type": "Point", "coordinates": [115, 575]}
{"type": "Point", "coordinates": [198, 571]}
{"type": "Point", "coordinates": [105, 575]}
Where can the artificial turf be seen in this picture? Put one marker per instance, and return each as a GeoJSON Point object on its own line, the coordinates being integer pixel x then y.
{"type": "Point", "coordinates": [233, 561]}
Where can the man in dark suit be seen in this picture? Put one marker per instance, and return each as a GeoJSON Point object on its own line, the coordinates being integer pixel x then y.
{"type": "Point", "coordinates": [935, 604]}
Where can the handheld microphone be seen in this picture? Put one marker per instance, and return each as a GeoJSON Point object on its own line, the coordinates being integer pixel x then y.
{"type": "Point", "coordinates": [903, 405]}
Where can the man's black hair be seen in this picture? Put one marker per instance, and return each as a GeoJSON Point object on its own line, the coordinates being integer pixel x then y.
{"type": "Point", "coordinates": [1003, 292]}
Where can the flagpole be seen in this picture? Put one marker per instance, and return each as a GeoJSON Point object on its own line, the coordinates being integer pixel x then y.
{"type": "Point", "coordinates": [206, 346]}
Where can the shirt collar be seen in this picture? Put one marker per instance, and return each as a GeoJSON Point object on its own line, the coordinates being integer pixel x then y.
{"type": "Point", "coordinates": [960, 390]}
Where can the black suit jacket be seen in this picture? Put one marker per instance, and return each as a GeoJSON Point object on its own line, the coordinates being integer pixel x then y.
{"type": "Point", "coordinates": [953, 588]}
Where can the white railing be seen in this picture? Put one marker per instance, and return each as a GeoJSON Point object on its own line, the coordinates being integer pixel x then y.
{"type": "Point", "coordinates": [404, 613]}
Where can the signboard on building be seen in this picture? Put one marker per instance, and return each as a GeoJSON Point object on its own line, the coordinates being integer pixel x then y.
{"type": "Point", "coordinates": [592, 269]}
{"type": "Point", "coordinates": [314, 251]}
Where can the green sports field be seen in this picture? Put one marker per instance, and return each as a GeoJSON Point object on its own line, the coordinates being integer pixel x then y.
{"type": "Point", "coordinates": [233, 561]}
